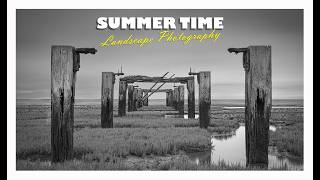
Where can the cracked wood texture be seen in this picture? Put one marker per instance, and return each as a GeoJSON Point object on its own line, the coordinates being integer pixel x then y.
{"type": "Point", "coordinates": [62, 102]}
{"type": "Point", "coordinates": [258, 101]}
{"type": "Point", "coordinates": [204, 98]}
{"type": "Point", "coordinates": [122, 98]}
{"type": "Point", "coordinates": [107, 86]}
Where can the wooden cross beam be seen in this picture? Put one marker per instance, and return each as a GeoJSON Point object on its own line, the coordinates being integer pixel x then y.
{"type": "Point", "coordinates": [159, 91]}
{"type": "Point", "coordinates": [148, 79]}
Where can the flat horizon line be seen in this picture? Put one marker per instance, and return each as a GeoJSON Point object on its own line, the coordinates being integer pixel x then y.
{"type": "Point", "coordinates": [157, 99]}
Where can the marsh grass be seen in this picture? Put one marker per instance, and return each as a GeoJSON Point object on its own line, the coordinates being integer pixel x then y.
{"type": "Point", "coordinates": [289, 139]}
{"type": "Point", "coordinates": [140, 134]}
{"type": "Point", "coordinates": [180, 162]}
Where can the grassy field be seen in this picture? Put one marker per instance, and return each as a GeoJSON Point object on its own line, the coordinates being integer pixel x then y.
{"type": "Point", "coordinates": [140, 140]}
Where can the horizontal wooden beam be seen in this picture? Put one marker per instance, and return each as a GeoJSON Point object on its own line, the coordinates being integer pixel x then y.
{"type": "Point", "coordinates": [160, 90]}
{"type": "Point", "coordinates": [139, 78]}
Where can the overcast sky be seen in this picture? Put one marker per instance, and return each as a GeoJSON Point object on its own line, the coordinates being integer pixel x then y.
{"type": "Point", "coordinates": [37, 30]}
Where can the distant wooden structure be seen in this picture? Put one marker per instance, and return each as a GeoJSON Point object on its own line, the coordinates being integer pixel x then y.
{"type": "Point", "coordinates": [258, 102]}
{"type": "Point", "coordinates": [145, 102]}
{"type": "Point", "coordinates": [65, 62]}
{"type": "Point", "coordinates": [171, 97]}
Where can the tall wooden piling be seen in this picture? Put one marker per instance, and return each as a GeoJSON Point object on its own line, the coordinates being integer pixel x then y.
{"type": "Point", "coordinates": [135, 99]}
{"type": "Point", "coordinates": [146, 101]}
{"type": "Point", "coordinates": [107, 99]}
{"type": "Point", "coordinates": [122, 98]}
{"type": "Point", "coordinates": [130, 98]}
{"type": "Point", "coordinates": [62, 102]}
{"type": "Point", "coordinates": [258, 100]}
{"type": "Point", "coordinates": [204, 79]}
{"type": "Point", "coordinates": [181, 100]}
{"type": "Point", "coordinates": [191, 99]}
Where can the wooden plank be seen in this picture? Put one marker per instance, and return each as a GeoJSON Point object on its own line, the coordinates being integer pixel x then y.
{"type": "Point", "coordinates": [258, 101]}
{"type": "Point", "coordinates": [158, 91]}
{"type": "Point", "coordinates": [181, 100]}
{"type": "Point", "coordinates": [204, 98]}
{"type": "Point", "coordinates": [62, 102]}
{"type": "Point", "coordinates": [107, 88]}
{"type": "Point", "coordinates": [147, 79]}
{"type": "Point", "coordinates": [122, 98]}
{"type": "Point", "coordinates": [191, 99]}
{"type": "Point", "coordinates": [130, 98]}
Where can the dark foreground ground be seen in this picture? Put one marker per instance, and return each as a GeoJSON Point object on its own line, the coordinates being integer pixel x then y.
{"type": "Point", "coordinates": [143, 140]}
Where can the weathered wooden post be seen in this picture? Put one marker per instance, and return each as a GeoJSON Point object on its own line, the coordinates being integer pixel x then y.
{"type": "Point", "coordinates": [122, 98]}
{"type": "Point", "coordinates": [130, 98]}
{"type": "Point", "coordinates": [135, 99]}
{"type": "Point", "coordinates": [167, 98]}
{"type": "Point", "coordinates": [107, 87]}
{"type": "Point", "coordinates": [191, 98]}
{"type": "Point", "coordinates": [171, 98]}
{"type": "Point", "coordinates": [139, 98]}
{"type": "Point", "coordinates": [65, 62]}
{"type": "Point", "coordinates": [175, 98]}
{"type": "Point", "coordinates": [258, 102]}
{"type": "Point", "coordinates": [146, 100]}
{"type": "Point", "coordinates": [204, 98]}
{"type": "Point", "coordinates": [204, 80]}
{"type": "Point", "coordinates": [181, 100]}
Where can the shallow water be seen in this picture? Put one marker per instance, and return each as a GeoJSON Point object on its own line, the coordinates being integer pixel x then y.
{"type": "Point", "coordinates": [231, 149]}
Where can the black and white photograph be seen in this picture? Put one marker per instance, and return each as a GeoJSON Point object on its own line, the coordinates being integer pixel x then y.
{"type": "Point", "coordinates": [159, 90]}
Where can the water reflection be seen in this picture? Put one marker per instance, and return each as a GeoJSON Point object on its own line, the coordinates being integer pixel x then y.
{"type": "Point", "coordinates": [231, 149]}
